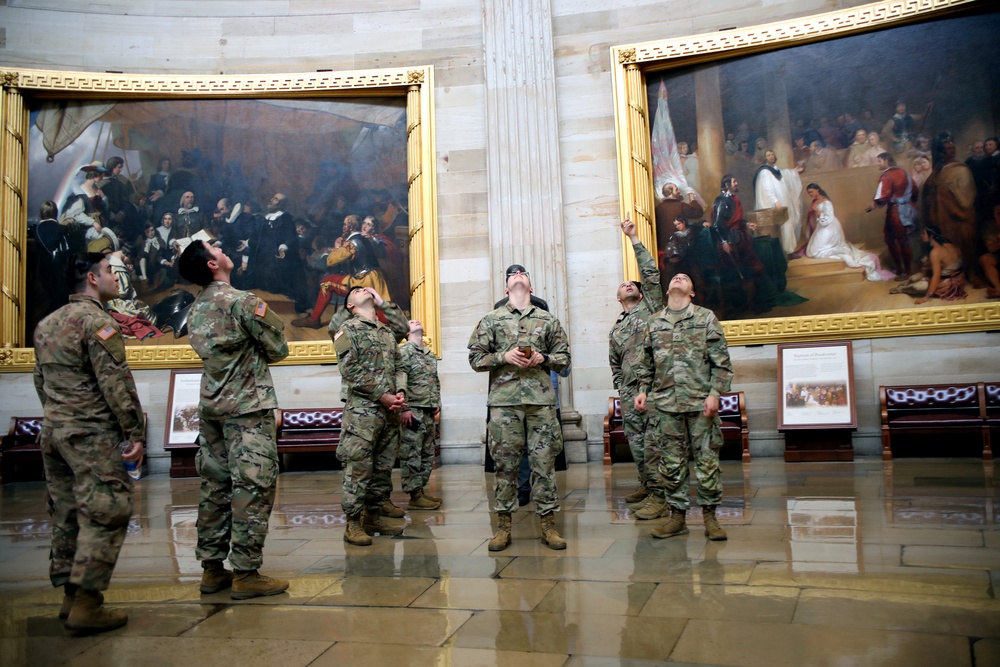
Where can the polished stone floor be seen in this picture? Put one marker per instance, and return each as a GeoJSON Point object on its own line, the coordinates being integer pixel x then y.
{"type": "Point", "coordinates": [835, 564]}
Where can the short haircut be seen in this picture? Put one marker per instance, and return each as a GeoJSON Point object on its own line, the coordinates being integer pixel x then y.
{"type": "Point", "coordinates": [727, 181]}
{"type": "Point", "coordinates": [193, 263]}
{"type": "Point", "coordinates": [78, 267]}
{"type": "Point", "coordinates": [114, 162]}
{"type": "Point", "coordinates": [347, 297]}
{"type": "Point", "coordinates": [48, 211]}
{"type": "Point", "coordinates": [888, 158]}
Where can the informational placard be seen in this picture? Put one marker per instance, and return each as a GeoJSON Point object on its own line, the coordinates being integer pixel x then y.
{"type": "Point", "coordinates": [182, 407]}
{"type": "Point", "coordinates": [816, 386]}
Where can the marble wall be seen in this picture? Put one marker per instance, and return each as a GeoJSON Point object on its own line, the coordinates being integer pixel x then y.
{"type": "Point", "coordinates": [227, 36]}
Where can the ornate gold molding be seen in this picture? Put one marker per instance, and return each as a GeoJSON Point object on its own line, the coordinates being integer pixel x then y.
{"type": "Point", "coordinates": [415, 83]}
{"type": "Point", "coordinates": [635, 61]}
{"type": "Point", "coordinates": [626, 55]}
{"type": "Point", "coordinates": [807, 28]}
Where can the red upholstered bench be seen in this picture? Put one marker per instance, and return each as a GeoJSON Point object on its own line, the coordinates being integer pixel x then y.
{"type": "Point", "coordinates": [20, 453]}
{"type": "Point", "coordinates": [732, 416]}
{"type": "Point", "coordinates": [309, 429]}
{"type": "Point", "coordinates": [946, 409]}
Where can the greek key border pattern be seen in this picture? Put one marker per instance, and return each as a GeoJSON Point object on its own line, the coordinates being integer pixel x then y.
{"type": "Point", "coordinates": [811, 27]}
{"type": "Point", "coordinates": [148, 84]}
{"type": "Point", "coordinates": [876, 324]}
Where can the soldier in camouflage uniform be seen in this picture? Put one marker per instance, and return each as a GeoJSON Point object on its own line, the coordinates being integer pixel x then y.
{"type": "Point", "coordinates": [380, 486]}
{"type": "Point", "coordinates": [416, 452]}
{"type": "Point", "coordinates": [683, 369]}
{"type": "Point", "coordinates": [90, 405]}
{"type": "Point", "coordinates": [237, 336]}
{"type": "Point", "coordinates": [374, 389]}
{"type": "Point", "coordinates": [639, 302]}
{"type": "Point", "coordinates": [519, 344]}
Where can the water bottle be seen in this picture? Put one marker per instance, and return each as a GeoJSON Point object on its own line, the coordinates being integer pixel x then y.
{"type": "Point", "coordinates": [131, 467]}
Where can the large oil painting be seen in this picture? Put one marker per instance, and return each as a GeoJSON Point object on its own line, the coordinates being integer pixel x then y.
{"type": "Point", "coordinates": [304, 195]}
{"type": "Point", "coordinates": [308, 193]}
{"type": "Point", "coordinates": [847, 185]}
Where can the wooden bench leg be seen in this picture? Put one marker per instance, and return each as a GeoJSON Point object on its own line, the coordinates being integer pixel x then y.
{"type": "Point", "coordinates": [987, 448]}
{"type": "Point", "coordinates": [886, 445]}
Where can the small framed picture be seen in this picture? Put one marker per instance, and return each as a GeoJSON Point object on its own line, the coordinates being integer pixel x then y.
{"type": "Point", "coordinates": [816, 386]}
{"type": "Point", "coordinates": [182, 408]}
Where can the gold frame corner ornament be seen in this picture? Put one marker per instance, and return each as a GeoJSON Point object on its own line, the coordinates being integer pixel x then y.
{"type": "Point", "coordinates": [415, 84]}
{"type": "Point", "coordinates": [635, 168]}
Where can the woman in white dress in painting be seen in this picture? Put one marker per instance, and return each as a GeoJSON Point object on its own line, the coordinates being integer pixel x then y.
{"type": "Point", "coordinates": [827, 240]}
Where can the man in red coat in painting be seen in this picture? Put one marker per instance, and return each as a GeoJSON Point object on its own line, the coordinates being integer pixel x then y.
{"type": "Point", "coordinates": [896, 191]}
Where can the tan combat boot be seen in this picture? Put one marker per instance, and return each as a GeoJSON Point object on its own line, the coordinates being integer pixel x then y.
{"type": "Point", "coordinates": [374, 523]}
{"type": "Point", "coordinates": [676, 526]}
{"type": "Point", "coordinates": [88, 615]}
{"type": "Point", "coordinates": [388, 509]}
{"type": "Point", "coordinates": [69, 596]}
{"type": "Point", "coordinates": [501, 540]}
{"type": "Point", "coordinates": [420, 501]}
{"type": "Point", "coordinates": [215, 577]}
{"type": "Point", "coordinates": [436, 499]}
{"type": "Point", "coordinates": [252, 584]}
{"type": "Point", "coordinates": [655, 507]}
{"type": "Point", "coordinates": [550, 536]}
{"type": "Point", "coordinates": [354, 533]}
{"type": "Point", "coordinates": [637, 496]}
{"type": "Point", "coordinates": [713, 530]}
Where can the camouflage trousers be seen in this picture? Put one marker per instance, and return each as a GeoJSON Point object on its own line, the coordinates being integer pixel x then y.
{"type": "Point", "coordinates": [238, 463]}
{"type": "Point", "coordinates": [511, 429]}
{"type": "Point", "coordinates": [367, 450]}
{"type": "Point", "coordinates": [634, 425]}
{"type": "Point", "coordinates": [679, 437]}
{"type": "Point", "coordinates": [416, 450]}
{"type": "Point", "coordinates": [89, 502]}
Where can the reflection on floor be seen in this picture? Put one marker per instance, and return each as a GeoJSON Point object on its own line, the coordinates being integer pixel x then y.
{"type": "Point", "coordinates": [826, 564]}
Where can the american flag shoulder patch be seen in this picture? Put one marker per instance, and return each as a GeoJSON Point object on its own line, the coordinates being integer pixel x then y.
{"type": "Point", "coordinates": [338, 334]}
{"type": "Point", "coordinates": [107, 332]}
{"type": "Point", "coordinates": [261, 309]}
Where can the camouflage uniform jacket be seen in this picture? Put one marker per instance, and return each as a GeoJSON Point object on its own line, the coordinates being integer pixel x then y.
{"type": "Point", "coordinates": [236, 335]}
{"type": "Point", "coordinates": [625, 338]}
{"type": "Point", "coordinates": [422, 384]}
{"type": "Point", "coordinates": [683, 360]}
{"type": "Point", "coordinates": [504, 329]}
{"type": "Point", "coordinates": [81, 375]}
{"type": "Point", "coordinates": [393, 313]}
{"type": "Point", "coordinates": [369, 358]}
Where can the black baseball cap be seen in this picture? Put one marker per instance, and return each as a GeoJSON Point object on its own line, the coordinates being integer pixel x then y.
{"type": "Point", "coordinates": [515, 268]}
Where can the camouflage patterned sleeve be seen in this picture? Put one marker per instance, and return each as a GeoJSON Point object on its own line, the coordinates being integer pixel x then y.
{"type": "Point", "coordinates": [264, 326]}
{"type": "Point", "coordinates": [337, 321]}
{"type": "Point", "coordinates": [615, 359]}
{"type": "Point", "coordinates": [401, 369]}
{"type": "Point", "coordinates": [398, 323]}
{"type": "Point", "coordinates": [718, 357]}
{"type": "Point", "coordinates": [558, 348]}
{"type": "Point", "coordinates": [644, 362]}
{"type": "Point", "coordinates": [39, 383]}
{"type": "Point", "coordinates": [652, 290]}
{"type": "Point", "coordinates": [354, 355]}
{"type": "Point", "coordinates": [107, 358]}
{"type": "Point", "coordinates": [482, 356]}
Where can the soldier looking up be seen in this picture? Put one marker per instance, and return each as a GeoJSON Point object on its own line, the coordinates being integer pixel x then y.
{"type": "Point", "coordinates": [237, 336]}
{"type": "Point", "coordinates": [90, 405]}
{"type": "Point", "coordinates": [416, 451]}
{"type": "Point", "coordinates": [374, 390]}
{"type": "Point", "coordinates": [519, 344]}
{"type": "Point", "coordinates": [684, 368]}
{"type": "Point", "coordinates": [639, 302]}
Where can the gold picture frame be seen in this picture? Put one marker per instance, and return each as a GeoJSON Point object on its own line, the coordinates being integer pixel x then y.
{"type": "Point", "coordinates": [21, 87]}
{"type": "Point", "coordinates": [634, 64]}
